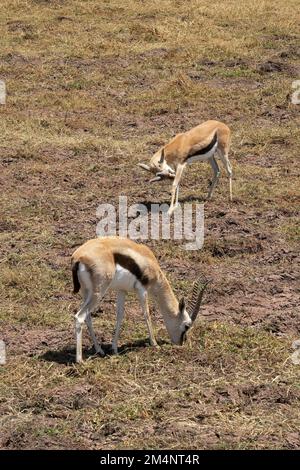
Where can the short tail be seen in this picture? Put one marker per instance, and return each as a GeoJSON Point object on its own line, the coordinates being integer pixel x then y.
{"type": "Point", "coordinates": [76, 282]}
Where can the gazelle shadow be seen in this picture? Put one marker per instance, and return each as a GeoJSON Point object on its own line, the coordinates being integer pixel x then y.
{"type": "Point", "coordinates": [190, 198]}
{"type": "Point", "coordinates": [200, 199]}
{"type": "Point", "coordinates": [148, 204]}
{"type": "Point", "coordinates": [67, 355]}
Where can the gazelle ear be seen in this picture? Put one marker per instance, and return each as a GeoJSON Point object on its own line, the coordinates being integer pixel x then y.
{"type": "Point", "coordinates": [182, 305]}
{"type": "Point", "coordinates": [162, 156]}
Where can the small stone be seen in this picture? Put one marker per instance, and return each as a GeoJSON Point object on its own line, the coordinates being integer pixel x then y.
{"type": "Point", "coordinates": [296, 344]}
{"type": "Point", "coordinates": [2, 353]}
{"type": "Point", "coordinates": [295, 357]}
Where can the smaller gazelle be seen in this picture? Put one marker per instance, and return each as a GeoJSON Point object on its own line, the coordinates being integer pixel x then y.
{"type": "Point", "coordinates": [114, 263]}
{"type": "Point", "coordinates": [199, 144]}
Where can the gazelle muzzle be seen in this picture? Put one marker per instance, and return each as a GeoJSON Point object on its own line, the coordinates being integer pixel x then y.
{"type": "Point", "coordinates": [161, 174]}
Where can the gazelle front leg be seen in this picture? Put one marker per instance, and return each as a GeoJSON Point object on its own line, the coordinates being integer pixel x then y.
{"type": "Point", "coordinates": [224, 157]}
{"type": "Point", "coordinates": [175, 188]}
{"type": "Point", "coordinates": [143, 297]}
{"type": "Point", "coordinates": [177, 194]}
{"type": "Point", "coordinates": [120, 316]}
{"type": "Point", "coordinates": [216, 176]}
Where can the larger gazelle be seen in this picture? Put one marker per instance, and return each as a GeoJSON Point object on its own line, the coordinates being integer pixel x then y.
{"type": "Point", "coordinates": [114, 263]}
{"type": "Point", "coordinates": [202, 143]}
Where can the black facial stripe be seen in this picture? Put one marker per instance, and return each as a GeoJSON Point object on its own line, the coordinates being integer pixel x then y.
{"type": "Point", "coordinates": [130, 264]}
{"type": "Point", "coordinates": [183, 334]}
{"type": "Point", "coordinates": [204, 150]}
{"type": "Point", "coordinates": [182, 337]}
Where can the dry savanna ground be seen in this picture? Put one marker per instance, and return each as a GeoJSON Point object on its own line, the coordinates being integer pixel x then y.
{"type": "Point", "coordinates": [93, 88]}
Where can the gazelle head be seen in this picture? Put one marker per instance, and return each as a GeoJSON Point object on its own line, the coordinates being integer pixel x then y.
{"type": "Point", "coordinates": [187, 317]}
{"type": "Point", "coordinates": [159, 167]}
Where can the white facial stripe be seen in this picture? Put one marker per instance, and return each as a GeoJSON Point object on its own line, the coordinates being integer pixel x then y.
{"type": "Point", "coordinates": [167, 167]}
{"type": "Point", "coordinates": [186, 322]}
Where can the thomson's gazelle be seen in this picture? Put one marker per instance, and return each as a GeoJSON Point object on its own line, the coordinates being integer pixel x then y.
{"type": "Point", "coordinates": [199, 144]}
{"type": "Point", "coordinates": [122, 265]}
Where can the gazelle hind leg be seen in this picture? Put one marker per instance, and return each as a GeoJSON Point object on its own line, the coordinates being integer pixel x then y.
{"type": "Point", "coordinates": [88, 320]}
{"type": "Point", "coordinates": [216, 176]}
{"type": "Point", "coordinates": [84, 314]}
{"type": "Point", "coordinates": [120, 315]}
{"type": "Point", "coordinates": [225, 160]}
{"type": "Point", "coordinates": [143, 297]}
{"type": "Point", "coordinates": [90, 306]}
{"type": "Point", "coordinates": [80, 318]}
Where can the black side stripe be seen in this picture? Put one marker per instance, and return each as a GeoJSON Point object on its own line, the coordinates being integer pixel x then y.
{"type": "Point", "coordinates": [204, 150]}
{"type": "Point", "coordinates": [129, 264]}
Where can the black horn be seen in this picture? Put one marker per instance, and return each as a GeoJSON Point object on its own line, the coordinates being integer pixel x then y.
{"type": "Point", "coordinates": [162, 156]}
{"type": "Point", "coordinates": [156, 178]}
{"type": "Point", "coordinates": [197, 295]}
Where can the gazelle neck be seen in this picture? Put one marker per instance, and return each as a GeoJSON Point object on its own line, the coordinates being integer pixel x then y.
{"type": "Point", "coordinates": [167, 304]}
{"type": "Point", "coordinates": [165, 298]}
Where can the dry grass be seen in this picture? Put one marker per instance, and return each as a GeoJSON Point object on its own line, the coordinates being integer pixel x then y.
{"type": "Point", "coordinates": [231, 388]}
{"type": "Point", "coordinates": [93, 88]}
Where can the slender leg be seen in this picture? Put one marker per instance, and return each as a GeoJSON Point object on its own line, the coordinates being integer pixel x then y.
{"type": "Point", "coordinates": [177, 193]}
{"type": "Point", "coordinates": [78, 330]}
{"type": "Point", "coordinates": [97, 346]}
{"type": "Point", "coordinates": [120, 315]}
{"type": "Point", "coordinates": [143, 297]}
{"type": "Point", "coordinates": [84, 314]}
{"type": "Point", "coordinates": [172, 207]}
{"type": "Point", "coordinates": [216, 176]}
{"type": "Point", "coordinates": [175, 189]}
{"type": "Point", "coordinates": [224, 158]}
{"type": "Point", "coordinates": [79, 320]}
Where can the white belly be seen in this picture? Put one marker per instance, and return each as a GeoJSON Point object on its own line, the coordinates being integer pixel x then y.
{"type": "Point", "coordinates": [204, 157]}
{"type": "Point", "coordinates": [123, 280]}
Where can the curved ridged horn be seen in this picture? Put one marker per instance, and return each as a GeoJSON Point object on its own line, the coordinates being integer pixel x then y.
{"type": "Point", "coordinates": [156, 178]}
{"type": "Point", "coordinates": [197, 295]}
{"type": "Point", "coordinates": [144, 166]}
{"type": "Point", "coordinates": [162, 174]}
